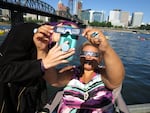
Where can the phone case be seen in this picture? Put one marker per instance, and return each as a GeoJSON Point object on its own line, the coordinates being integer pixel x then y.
{"type": "Point", "coordinates": [71, 39]}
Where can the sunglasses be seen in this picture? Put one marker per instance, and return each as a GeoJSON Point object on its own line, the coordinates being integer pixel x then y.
{"type": "Point", "coordinates": [67, 29]}
{"type": "Point", "coordinates": [89, 53]}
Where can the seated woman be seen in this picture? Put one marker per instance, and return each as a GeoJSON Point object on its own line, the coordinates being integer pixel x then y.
{"type": "Point", "coordinates": [89, 87]}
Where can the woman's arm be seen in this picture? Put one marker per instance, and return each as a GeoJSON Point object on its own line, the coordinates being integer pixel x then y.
{"type": "Point", "coordinates": [51, 57]}
{"type": "Point", "coordinates": [114, 69]}
{"type": "Point", "coordinates": [114, 72]}
{"type": "Point", "coordinates": [54, 78]}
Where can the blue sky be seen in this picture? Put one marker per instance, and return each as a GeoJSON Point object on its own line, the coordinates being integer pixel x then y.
{"type": "Point", "coordinates": [107, 5]}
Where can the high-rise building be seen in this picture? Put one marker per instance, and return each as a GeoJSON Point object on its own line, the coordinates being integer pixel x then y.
{"type": "Point", "coordinates": [71, 4]}
{"type": "Point", "coordinates": [124, 18]}
{"type": "Point", "coordinates": [85, 16]}
{"type": "Point", "coordinates": [63, 10]}
{"type": "Point", "coordinates": [92, 15]}
{"type": "Point", "coordinates": [79, 8]}
{"type": "Point", "coordinates": [117, 17]}
{"type": "Point", "coordinates": [98, 16]}
{"type": "Point", "coordinates": [61, 6]}
{"type": "Point", "coordinates": [114, 17]}
{"type": "Point", "coordinates": [137, 18]}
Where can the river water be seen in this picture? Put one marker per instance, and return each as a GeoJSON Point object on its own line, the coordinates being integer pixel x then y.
{"type": "Point", "coordinates": [135, 54]}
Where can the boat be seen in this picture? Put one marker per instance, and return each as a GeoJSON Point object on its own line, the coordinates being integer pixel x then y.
{"type": "Point", "coordinates": [135, 32]}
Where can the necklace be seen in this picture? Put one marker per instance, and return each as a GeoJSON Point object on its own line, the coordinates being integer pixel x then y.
{"type": "Point", "coordinates": [86, 95]}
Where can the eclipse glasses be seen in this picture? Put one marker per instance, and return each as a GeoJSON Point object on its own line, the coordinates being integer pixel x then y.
{"type": "Point", "coordinates": [71, 31]}
{"type": "Point", "coordinates": [68, 30]}
{"type": "Point", "coordinates": [89, 53]}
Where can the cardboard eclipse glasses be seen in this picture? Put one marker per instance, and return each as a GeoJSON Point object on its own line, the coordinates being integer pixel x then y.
{"type": "Point", "coordinates": [67, 29]}
{"type": "Point", "coordinates": [89, 53]}
{"type": "Point", "coordinates": [71, 31]}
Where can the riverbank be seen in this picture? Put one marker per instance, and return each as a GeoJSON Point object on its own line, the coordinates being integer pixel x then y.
{"type": "Point", "coordinates": [125, 30]}
{"type": "Point", "coordinates": [135, 31]}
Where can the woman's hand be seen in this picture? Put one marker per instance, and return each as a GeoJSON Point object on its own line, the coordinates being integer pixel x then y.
{"type": "Point", "coordinates": [56, 56]}
{"type": "Point", "coordinates": [99, 39]}
{"type": "Point", "coordinates": [42, 37]}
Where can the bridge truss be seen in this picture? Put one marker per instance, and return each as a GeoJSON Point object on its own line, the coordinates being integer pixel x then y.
{"type": "Point", "coordinates": [32, 4]}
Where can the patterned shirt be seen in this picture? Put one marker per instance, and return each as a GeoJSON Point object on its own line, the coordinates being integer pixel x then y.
{"type": "Point", "coordinates": [92, 97]}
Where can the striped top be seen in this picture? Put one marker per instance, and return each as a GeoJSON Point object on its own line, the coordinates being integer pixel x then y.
{"type": "Point", "coordinates": [92, 97]}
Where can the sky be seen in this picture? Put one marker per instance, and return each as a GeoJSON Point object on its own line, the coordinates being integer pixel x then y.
{"type": "Point", "coordinates": [107, 5]}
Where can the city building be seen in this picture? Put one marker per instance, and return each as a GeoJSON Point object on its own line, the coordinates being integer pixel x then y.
{"type": "Point", "coordinates": [124, 18]}
{"type": "Point", "coordinates": [92, 15]}
{"type": "Point", "coordinates": [117, 17]}
{"type": "Point", "coordinates": [79, 8]}
{"type": "Point", "coordinates": [98, 16]}
{"type": "Point", "coordinates": [137, 18]}
{"type": "Point", "coordinates": [63, 10]}
{"type": "Point", "coordinates": [61, 6]}
{"type": "Point", "coordinates": [71, 5]}
{"type": "Point", "coordinates": [114, 17]}
{"type": "Point", "coordinates": [85, 16]}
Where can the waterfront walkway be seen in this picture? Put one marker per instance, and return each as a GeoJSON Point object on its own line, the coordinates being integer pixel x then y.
{"type": "Point", "coordinates": [126, 30]}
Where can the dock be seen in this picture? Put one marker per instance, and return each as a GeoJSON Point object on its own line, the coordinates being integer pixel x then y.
{"type": "Point", "coordinates": [139, 108]}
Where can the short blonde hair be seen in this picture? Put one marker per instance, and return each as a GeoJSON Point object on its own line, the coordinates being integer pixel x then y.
{"type": "Point", "coordinates": [85, 44]}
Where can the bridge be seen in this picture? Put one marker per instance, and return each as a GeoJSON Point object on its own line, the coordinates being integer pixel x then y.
{"type": "Point", "coordinates": [19, 7]}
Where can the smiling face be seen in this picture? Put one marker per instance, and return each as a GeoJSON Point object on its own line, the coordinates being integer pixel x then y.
{"type": "Point", "coordinates": [89, 57]}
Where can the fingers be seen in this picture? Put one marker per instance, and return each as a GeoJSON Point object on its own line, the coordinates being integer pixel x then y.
{"type": "Point", "coordinates": [42, 36]}
{"type": "Point", "coordinates": [55, 56]}
{"type": "Point", "coordinates": [92, 35]}
{"type": "Point", "coordinates": [45, 29]}
{"type": "Point", "coordinates": [44, 32]}
{"type": "Point", "coordinates": [61, 55]}
{"type": "Point", "coordinates": [66, 69]}
{"type": "Point", "coordinates": [85, 32]}
{"type": "Point", "coordinates": [95, 36]}
{"type": "Point", "coordinates": [60, 24]}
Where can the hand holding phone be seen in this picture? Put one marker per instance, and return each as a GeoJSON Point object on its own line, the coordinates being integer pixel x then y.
{"type": "Point", "coordinates": [68, 37]}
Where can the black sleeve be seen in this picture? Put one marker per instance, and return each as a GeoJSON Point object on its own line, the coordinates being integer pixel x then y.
{"type": "Point", "coordinates": [18, 61]}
